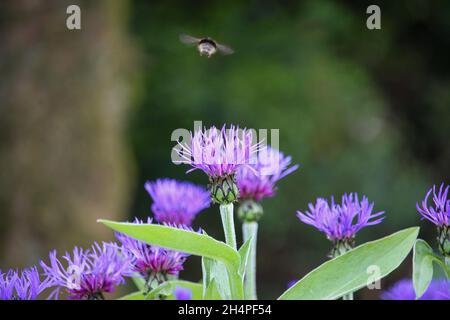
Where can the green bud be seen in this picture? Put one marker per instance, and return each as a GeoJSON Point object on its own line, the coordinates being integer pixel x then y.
{"type": "Point", "coordinates": [224, 190]}
{"type": "Point", "coordinates": [444, 240]}
{"type": "Point", "coordinates": [250, 211]}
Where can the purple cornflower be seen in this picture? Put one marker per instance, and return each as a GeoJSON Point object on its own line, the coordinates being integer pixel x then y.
{"type": "Point", "coordinates": [177, 202]}
{"type": "Point", "coordinates": [404, 290]}
{"type": "Point", "coordinates": [340, 222]}
{"type": "Point", "coordinates": [24, 286]}
{"type": "Point", "coordinates": [259, 181]}
{"type": "Point", "coordinates": [152, 262]}
{"type": "Point", "coordinates": [183, 293]}
{"type": "Point", "coordinates": [439, 214]}
{"type": "Point", "coordinates": [219, 153]}
{"type": "Point", "coordinates": [88, 273]}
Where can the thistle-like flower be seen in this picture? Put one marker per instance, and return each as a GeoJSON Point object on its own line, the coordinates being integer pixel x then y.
{"type": "Point", "coordinates": [439, 214]}
{"type": "Point", "coordinates": [340, 222]}
{"type": "Point", "coordinates": [219, 153]}
{"type": "Point", "coordinates": [258, 181]}
{"type": "Point", "coordinates": [404, 290]}
{"type": "Point", "coordinates": [88, 274]}
{"type": "Point", "coordinates": [153, 263]}
{"type": "Point", "coordinates": [177, 202]}
{"type": "Point", "coordinates": [25, 286]}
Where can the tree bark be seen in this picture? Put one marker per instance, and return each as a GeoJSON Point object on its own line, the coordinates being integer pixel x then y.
{"type": "Point", "coordinates": [63, 96]}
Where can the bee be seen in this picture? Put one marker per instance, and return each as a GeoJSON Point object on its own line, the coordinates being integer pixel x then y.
{"type": "Point", "coordinates": [206, 46]}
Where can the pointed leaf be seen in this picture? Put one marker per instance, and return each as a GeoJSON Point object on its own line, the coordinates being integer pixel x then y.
{"type": "Point", "coordinates": [349, 272]}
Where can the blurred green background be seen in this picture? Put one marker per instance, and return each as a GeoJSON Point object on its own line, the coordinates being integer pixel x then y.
{"type": "Point", "coordinates": [86, 116]}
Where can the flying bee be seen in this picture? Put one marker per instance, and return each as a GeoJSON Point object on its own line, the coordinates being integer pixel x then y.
{"type": "Point", "coordinates": [206, 46]}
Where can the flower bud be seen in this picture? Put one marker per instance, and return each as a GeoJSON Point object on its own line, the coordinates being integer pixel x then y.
{"type": "Point", "coordinates": [250, 211]}
{"type": "Point", "coordinates": [224, 190]}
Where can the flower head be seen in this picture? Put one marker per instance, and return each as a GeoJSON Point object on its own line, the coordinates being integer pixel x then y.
{"type": "Point", "coordinates": [177, 202]}
{"type": "Point", "coordinates": [439, 212]}
{"type": "Point", "coordinates": [88, 273]}
{"type": "Point", "coordinates": [341, 221]}
{"type": "Point", "coordinates": [258, 182]}
{"type": "Point", "coordinates": [219, 153]}
{"type": "Point", "coordinates": [25, 286]}
{"type": "Point", "coordinates": [151, 261]}
{"type": "Point", "coordinates": [404, 290]}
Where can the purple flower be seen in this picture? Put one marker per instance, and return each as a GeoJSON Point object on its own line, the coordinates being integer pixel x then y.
{"type": "Point", "coordinates": [219, 153]}
{"type": "Point", "coordinates": [88, 273]}
{"type": "Point", "coordinates": [404, 290]}
{"type": "Point", "coordinates": [177, 202]}
{"type": "Point", "coordinates": [183, 293]}
{"type": "Point", "coordinates": [341, 221]}
{"type": "Point", "coordinates": [439, 214]}
{"type": "Point", "coordinates": [259, 181]}
{"type": "Point", "coordinates": [151, 261]}
{"type": "Point", "coordinates": [25, 286]}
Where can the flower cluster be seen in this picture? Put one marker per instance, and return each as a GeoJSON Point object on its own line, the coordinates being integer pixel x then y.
{"type": "Point", "coordinates": [177, 202]}
{"type": "Point", "coordinates": [88, 274]}
{"type": "Point", "coordinates": [22, 286]}
{"type": "Point", "coordinates": [404, 290]}
{"type": "Point", "coordinates": [340, 222]}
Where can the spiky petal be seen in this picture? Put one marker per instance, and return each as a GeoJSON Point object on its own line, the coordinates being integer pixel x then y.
{"type": "Point", "coordinates": [341, 221]}
{"type": "Point", "coordinates": [27, 285]}
{"type": "Point", "coordinates": [219, 153]}
{"type": "Point", "coordinates": [439, 210]}
{"type": "Point", "coordinates": [88, 274]}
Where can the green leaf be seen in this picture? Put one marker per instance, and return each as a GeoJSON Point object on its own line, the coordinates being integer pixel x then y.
{"type": "Point", "coordinates": [179, 240]}
{"type": "Point", "coordinates": [189, 242]}
{"type": "Point", "coordinates": [212, 293]}
{"type": "Point", "coordinates": [133, 296]}
{"type": "Point", "coordinates": [216, 270]}
{"type": "Point", "coordinates": [206, 273]}
{"type": "Point", "coordinates": [349, 272]}
{"type": "Point", "coordinates": [167, 288]}
{"type": "Point", "coordinates": [244, 252]}
{"type": "Point", "coordinates": [423, 259]}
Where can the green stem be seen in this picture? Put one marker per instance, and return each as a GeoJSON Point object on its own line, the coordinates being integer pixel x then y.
{"type": "Point", "coordinates": [341, 247]}
{"type": "Point", "coordinates": [250, 229]}
{"type": "Point", "coordinates": [226, 212]}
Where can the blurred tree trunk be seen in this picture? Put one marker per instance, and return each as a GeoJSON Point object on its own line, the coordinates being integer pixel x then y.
{"type": "Point", "coordinates": [63, 96]}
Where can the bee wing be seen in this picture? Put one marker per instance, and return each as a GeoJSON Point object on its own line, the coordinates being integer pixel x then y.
{"type": "Point", "coordinates": [224, 49]}
{"type": "Point", "coordinates": [189, 40]}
